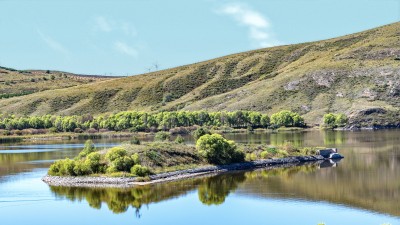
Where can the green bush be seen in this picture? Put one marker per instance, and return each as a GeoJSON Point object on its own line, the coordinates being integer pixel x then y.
{"type": "Point", "coordinates": [200, 132]}
{"type": "Point", "coordinates": [179, 139]}
{"type": "Point", "coordinates": [135, 140]}
{"type": "Point", "coordinates": [217, 150]}
{"type": "Point", "coordinates": [135, 158]}
{"type": "Point", "coordinates": [335, 120]}
{"type": "Point", "coordinates": [115, 153]}
{"type": "Point", "coordinates": [81, 168]}
{"type": "Point", "coordinates": [287, 118]}
{"type": "Point", "coordinates": [162, 136]}
{"type": "Point", "coordinates": [123, 163]}
{"type": "Point", "coordinates": [64, 167]}
{"type": "Point", "coordinates": [93, 161]}
{"type": "Point", "coordinates": [87, 149]}
{"type": "Point", "coordinates": [264, 154]}
{"type": "Point", "coordinates": [140, 171]}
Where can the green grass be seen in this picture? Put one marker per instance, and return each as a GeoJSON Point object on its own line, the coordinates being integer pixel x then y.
{"type": "Point", "coordinates": [344, 74]}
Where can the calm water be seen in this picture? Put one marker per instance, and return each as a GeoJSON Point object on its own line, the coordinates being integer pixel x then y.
{"type": "Point", "coordinates": [364, 188]}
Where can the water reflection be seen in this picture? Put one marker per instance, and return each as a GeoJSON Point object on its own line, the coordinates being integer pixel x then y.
{"type": "Point", "coordinates": [212, 190]}
{"type": "Point", "coordinates": [368, 178]}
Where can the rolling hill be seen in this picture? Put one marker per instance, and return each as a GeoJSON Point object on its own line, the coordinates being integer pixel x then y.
{"type": "Point", "coordinates": [357, 74]}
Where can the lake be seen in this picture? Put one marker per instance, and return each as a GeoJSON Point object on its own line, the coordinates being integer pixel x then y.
{"type": "Point", "coordinates": [363, 188]}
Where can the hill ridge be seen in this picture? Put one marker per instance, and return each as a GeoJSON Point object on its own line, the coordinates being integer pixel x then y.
{"type": "Point", "coordinates": [346, 74]}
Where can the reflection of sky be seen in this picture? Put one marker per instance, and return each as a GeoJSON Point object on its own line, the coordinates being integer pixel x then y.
{"type": "Point", "coordinates": [24, 199]}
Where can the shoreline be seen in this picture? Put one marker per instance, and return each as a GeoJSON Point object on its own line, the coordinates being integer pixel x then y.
{"type": "Point", "coordinates": [125, 182]}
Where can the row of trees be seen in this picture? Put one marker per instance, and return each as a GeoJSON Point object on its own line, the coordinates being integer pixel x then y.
{"type": "Point", "coordinates": [143, 121]}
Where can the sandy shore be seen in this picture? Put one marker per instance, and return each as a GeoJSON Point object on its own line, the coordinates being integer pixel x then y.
{"type": "Point", "coordinates": [103, 181]}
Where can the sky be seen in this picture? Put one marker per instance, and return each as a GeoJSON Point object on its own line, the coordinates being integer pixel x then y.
{"type": "Point", "coordinates": [127, 37]}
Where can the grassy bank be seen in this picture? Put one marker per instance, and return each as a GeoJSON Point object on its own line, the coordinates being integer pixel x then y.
{"type": "Point", "coordinates": [135, 159]}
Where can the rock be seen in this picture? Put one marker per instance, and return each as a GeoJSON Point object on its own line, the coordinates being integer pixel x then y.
{"type": "Point", "coordinates": [335, 156]}
{"type": "Point", "coordinates": [326, 153]}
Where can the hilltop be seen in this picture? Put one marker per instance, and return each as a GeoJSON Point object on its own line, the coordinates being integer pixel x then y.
{"type": "Point", "coordinates": [23, 82]}
{"type": "Point", "coordinates": [357, 74]}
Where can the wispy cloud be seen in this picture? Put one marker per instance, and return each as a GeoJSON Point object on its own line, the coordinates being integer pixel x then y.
{"type": "Point", "coordinates": [124, 48]}
{"type": "Point", "coordinates": [259, 27]}
{"type": "Point", "coordinates": [103, 24]}
{"type": "Point", "coordinates": [53, 44]}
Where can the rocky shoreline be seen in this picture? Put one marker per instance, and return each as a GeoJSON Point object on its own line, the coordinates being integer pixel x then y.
{"type": "Point", "coordinates": [102, 181]}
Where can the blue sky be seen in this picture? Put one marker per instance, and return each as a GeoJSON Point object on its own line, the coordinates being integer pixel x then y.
{"type": "Point", "coordinates": [124, 37]}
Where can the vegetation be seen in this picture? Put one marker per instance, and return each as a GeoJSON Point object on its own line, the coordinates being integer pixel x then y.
{"type": "Point", "coordinates": [154, 157]}
{"type": "Point", "coordinates": [287, 118]}
{"type": "Point", "coordinates": [335, 120]}
{"type": "Point", "coordinates": [346, 74]}
{"type": "Point", "coordinates": [217, 150]}
{"type": "Point", "coordinates": [142, 121]}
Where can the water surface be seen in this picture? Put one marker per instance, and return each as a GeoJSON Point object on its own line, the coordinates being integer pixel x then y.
{"type": "Point", "coordinates": [364, 188]}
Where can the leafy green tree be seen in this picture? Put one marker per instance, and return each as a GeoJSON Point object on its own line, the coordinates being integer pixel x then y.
{"type": "Point", "coordinates": [87, 149]}
{"type": "Point", "coordinates": [200, 132]}
{"type": "Point", "coordinates": [329, 119]}
{"type": "Point", "coordinates": [217, 150]}
{"type": "Point", "coordinates": [287, 118]}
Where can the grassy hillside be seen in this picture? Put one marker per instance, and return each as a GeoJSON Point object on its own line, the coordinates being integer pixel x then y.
{"type": "Point", "coordinates": [353, 74]}
{"type": "Point", "coordinates": [22, 82]}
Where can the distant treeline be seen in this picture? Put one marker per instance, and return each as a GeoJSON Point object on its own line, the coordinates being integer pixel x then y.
{"type": "Point", "coordinates": [143, 121]}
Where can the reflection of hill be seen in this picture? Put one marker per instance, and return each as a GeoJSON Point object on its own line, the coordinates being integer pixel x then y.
{"type": "Point", "coordinates": [373, 186]}
{"type": "Point", "coordinates": [352, 183]}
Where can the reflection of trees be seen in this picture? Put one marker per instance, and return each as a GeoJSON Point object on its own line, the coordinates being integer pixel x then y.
{"type": "Point", "coordinates": [215, 189]}
{"type": "Point", "coordinates": [332, 138]}
{"type": "Point", "coordinates": [212, 190]}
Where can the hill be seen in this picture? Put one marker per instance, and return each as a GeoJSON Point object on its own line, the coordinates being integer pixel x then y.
{"type": "Point", "coordinates": [22, 82]}
{"type": "Point", "coordinates": [357, 74]}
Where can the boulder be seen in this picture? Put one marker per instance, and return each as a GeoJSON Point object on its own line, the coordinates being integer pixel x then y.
{"type": "Point", "coordinates": [326, 153]}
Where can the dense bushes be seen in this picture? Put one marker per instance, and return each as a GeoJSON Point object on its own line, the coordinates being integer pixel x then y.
{"type": "Point", "coordinates": [90, 162]}
{"type": "Point", "coordinates": [217, 150]}
{"type": "Point", "coordinates": [287, 118]}
{"type": "Point", "coordinates": [142, 121]}
{"type": "Point", "coordinates": [335, 120]}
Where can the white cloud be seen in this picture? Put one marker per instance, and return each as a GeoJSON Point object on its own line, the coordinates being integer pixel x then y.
{"type": "Point", "coordinates": [258, 25]}
{"type": "Point", "coordinates": [53, 44]}
{"type": "Point", "coordinates": [124, 48]}
{"type": "Point", "coordinates": [103, 24]}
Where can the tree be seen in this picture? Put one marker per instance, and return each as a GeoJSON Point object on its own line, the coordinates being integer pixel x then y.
{"type": "Point", "coordinates": [329, 119]}
{"type": "Point", "coordinates": [200, 132]}
{"type": "Point", "coordinates": [217, 150]}
{"type": "Point", "coordinates": [287, 118]}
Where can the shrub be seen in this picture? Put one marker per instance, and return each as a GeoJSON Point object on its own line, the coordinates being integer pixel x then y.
{"type": "Point", "coordinates": [123, 163]}
{"type": "Point", "coordinates": [179, 139]}
{"type": "Point", "coordinates": [200, 132]}
{"type": "Point", "coordinates": [140, 171]}
{"type": "Point", "coordinates": [135, 140]}
{"type": "Point", "coordinates": [335, 120]}
{"type": "Point", "coordinates": [81, 168]}
{"type": "Point", "coordinates": [115, 153]}
{"type": "Point", "coordinates": [88, 148]}
{"type": "Point", "coordinates": [93, 161]}
{"type": "Point", "coordinates": [162, 136]}
{"type": "Point", "coordinates": [135, 158]}
{"type": "Point", "coordinates": [264, 154]}
{"type": "Point", "coordinates": [287, 118]}
{"type": "Point", "coordinates": [216, 149]}
{"type": "Point", "coordinates": [62, 168]}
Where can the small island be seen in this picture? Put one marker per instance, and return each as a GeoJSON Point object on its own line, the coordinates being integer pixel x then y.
{"type": "Point", "coordinates": [136, 163]}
